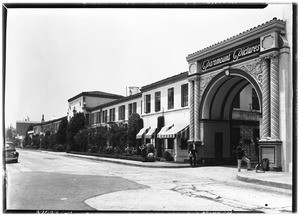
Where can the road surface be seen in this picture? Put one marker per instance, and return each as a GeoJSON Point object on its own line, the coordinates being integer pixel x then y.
{"type": "Point", "coordinates": [50, 182]}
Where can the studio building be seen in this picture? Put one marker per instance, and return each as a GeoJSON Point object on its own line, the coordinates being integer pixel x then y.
{"type": "Point", "coordinates": [238, 89]}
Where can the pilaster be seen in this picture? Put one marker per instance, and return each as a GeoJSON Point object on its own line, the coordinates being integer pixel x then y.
{"type": "Point", "coordinates": [191, 103]}
{"type": "Point", "coordinates": [265, 126]}
{"type": "Point", "coordinates": [274, 93]}
{"type": "Point", "coordinates": [197, 109]}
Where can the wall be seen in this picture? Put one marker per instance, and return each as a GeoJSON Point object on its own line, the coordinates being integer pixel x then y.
{"type": "Point", "coordinates": [90, 101]}
{"type": "Point", "coordinates": [176, 115]}
{"type": "Point", "coordinates": [209, 129]}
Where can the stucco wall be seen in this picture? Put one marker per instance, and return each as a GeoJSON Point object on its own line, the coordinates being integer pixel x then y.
{"type": "Point", "coordinates": [209, 129]}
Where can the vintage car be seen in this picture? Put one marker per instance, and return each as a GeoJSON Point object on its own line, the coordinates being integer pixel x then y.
{"type": "Point", "coordinates": [11, 154]}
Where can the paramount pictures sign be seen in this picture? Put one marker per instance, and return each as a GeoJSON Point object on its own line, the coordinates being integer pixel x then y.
{"type": "Point", "coordinates": [232, 56]}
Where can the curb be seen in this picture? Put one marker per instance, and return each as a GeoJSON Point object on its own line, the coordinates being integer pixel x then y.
{"type": "Point", "coordinates": [127, 163]}
{"type": "Point", "coordinates": [119, 161]}
{"type": "Point", "coordinates": [262, 182]}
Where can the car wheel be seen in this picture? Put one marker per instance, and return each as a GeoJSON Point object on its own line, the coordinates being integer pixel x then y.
{"type": "Point", "coordinates": [16, 161]}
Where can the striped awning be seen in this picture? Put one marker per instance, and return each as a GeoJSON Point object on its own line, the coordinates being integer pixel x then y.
{"type": "Point", "coordinates": [177, 131]}
{"type": "Point", "coordinates": [162, 133]}
{"type": "Point", "coordinates": [151, 133]}
{"type": "Point", "coordinates": [142, 132]}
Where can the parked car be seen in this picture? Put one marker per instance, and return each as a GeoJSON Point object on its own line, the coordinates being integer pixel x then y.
{"type": "Point", "coordinates": [11, 154]}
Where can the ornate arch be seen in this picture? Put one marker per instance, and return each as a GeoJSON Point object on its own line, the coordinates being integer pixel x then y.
{"type": "Point", "coordinates": [211, 84]}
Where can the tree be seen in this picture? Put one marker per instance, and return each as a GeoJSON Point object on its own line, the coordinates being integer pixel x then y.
{"type": "Point", "coordinates": [27, 139]}
{"type": "Point", "coordinates": [9, 134]}
{"type": "Point", "coordinates": [76, 123]}
{"type": "Point", "coordinates": [135, 123]}
{"type": "Point", "coordinates": [61, 135]}
{"type": "Point", "coordinates": [160, 124]}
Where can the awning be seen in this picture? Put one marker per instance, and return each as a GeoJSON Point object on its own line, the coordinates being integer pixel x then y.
{"type": "Point", "coordinates": [178, 131]}
{"type": "Point", "coordinates": [142, 132]}
{"type": "Point", "coordinates": [150, 134]}
{"type": "Point", "coordinates": [162, 133]}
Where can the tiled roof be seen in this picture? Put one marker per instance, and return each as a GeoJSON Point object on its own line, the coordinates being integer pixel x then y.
{"type": "Point", "coordinates": [236, 36]}
{"type": "Point", "coordinates": [97, 94]}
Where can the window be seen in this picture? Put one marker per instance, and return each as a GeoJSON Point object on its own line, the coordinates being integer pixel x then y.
{"type": "Point", "coordinates": [170, 143]}
{"type": "Point", "coordinates": [129, 109]}
{"type": "Point", "coordinates": [134, 107]}
{"type": "Point", "coordinates": [122, 112]}
{"type": "Point", "coordinates": [184, 95]}
{"type": "Point", "coordinates": [104, 116]}
{"type": "Point", "coordinates": [236, 101]}
{"type": "Point", "coordinates": [98, 117]}
{"type": "Point", "coordinates": [171, 98]}
{"type": "Point", "coordinates": [255, 102]}
{"type": "Point", "coordinates": [92, 118]}
{"type": "Point", "coordinates": [147, 103]}
{"type": "Point", "coordinates": [112, 117]}
{"type": "Point", "coordinates": [157, 101]}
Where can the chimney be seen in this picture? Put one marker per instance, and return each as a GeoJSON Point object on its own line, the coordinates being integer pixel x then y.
{"type": "Point", "coordinates": [43, 120]}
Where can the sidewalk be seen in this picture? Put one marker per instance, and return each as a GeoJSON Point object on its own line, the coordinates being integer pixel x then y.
{"type": "Point", "coordinates": [269, 178]}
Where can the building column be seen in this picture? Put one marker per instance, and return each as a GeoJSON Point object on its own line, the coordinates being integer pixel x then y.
{"type": "Point", "coordinates": [197, 110]}
{"type": "Point", "coordinates": [265, 126]}
{"type": "Point", "coordinates": [274, 93]}
{"type": "Point", "coordinates": [191, 103]}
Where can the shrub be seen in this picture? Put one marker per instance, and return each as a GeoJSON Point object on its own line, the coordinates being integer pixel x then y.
{"type": "Point", "coordinates": [151, 157]}
{"type": "Point", "coordinates": [76, 123]}
{"type": "Point", "coordinates": [60, 148]}
{"type": "Point", "coordinates": [168, 156]}
{"type": "Point", "coordinates": [150, 148]}
{"type": "Point", "coordinates": [61, 134]}
{"type": "Point", "coordinates": [134, 125]}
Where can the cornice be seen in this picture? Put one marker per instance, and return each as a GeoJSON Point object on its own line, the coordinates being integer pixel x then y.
{"type": "Point", "coordinates": [247, 36]}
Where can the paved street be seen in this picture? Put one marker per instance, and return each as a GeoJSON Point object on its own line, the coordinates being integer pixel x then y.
{"type": "Point", "coordinates": [49, 181]}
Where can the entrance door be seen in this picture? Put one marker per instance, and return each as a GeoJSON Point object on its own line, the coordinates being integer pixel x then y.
{"type": "Point", "coordinates": [219, 147]}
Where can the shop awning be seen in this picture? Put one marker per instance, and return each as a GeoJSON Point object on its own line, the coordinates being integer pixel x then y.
{"type": "Point", "coordinates": [162, 133]}
{"type": "Point", "coordinates": [177, 131]}
{"type": "Point", "coordinates": [142, 132]}
{"type": "Point", "coordinates": [151, 133]}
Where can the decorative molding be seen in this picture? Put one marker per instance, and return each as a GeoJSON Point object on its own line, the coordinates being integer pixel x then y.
{"type": "Point", "coordinates": [254, 69]}
{"type": "Point", "coordinates": [204, 81]}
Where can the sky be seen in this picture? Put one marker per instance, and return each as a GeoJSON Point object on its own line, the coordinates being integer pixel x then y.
{"type": "Point", "coordinates": [55, 54]}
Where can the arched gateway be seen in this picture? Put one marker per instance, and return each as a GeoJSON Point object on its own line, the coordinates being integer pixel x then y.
{"type": "Point", "coordinates": [240, 89]}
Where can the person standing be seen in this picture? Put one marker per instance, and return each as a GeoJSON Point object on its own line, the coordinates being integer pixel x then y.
{"type": "Point", "coordinates": [241, 157]}
{"type": "Point", "coordinates": [193, 155]}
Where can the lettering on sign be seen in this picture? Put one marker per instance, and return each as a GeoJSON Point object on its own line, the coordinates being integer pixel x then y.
{"type": "Point", "coordinates": [233, 56]}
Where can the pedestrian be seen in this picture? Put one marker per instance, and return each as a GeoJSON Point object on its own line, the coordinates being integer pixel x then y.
{"type": "Point", "coordinates": [241, 157]}
{"type": "Point", "coordinates": [193, 155]}
{"type": "Point", "coordinates": [144, 152]}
